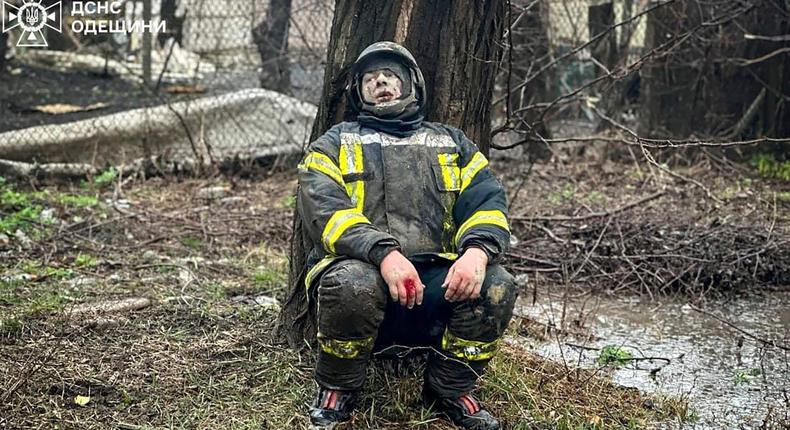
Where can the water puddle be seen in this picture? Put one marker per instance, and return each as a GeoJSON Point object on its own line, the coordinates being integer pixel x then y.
{"type": "Point", "coordinates": [732, 380]}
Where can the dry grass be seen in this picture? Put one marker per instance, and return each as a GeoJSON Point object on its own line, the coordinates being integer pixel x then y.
{"type": "Point", "coordinates": [202, 356]}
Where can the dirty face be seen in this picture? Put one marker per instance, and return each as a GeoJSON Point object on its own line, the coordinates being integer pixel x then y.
{"type": "Point", "coordinates": [381, 86]}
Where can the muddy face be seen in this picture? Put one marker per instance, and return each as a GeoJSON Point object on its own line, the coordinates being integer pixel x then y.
{"type": "Point", "coordinates": [381, 86]}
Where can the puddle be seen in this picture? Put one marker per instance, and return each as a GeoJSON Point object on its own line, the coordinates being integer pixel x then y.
{"type": "Point", "coordinates": [732, 380]}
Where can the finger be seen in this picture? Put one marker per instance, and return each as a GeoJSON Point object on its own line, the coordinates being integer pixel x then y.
{"type": "Point", "coordinates": [393, 287]}
{"type": "Point", "coordinates": [411, 293]}
{"type": "Point", "coordinates": [464, 289]}
{"type": "Point", "coordinates": [402, 294]}
{"type": "Point", "coordinates": [476, 290]}
{"type": "Point", "coordinates": [452, 287]}
{"type": "Point", "coordinates": [449, 276]}
{"type": "Point", "coordinates": [420, 291]}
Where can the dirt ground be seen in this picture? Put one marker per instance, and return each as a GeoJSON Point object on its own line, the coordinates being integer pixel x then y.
{"type": "Point", "coordinates": [205, 258]}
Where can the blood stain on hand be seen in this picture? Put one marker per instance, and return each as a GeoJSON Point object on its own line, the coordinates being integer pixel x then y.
{"type": "Point", "coordinates": [410, 288]}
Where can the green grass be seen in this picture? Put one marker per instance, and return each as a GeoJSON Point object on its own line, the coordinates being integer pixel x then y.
{"type": "Point", "coordinates": [101, 180]}
{"type": "Point", "coordinates": [768, 167]}
{"type": "Point", "coordinates": [85, 260]}
{"type": "Point", "coordinates": [566, 194]}
{"type": "Point", "coordinates": [192, 242]}
{"type": "Point", "coordinates": [614, 355]}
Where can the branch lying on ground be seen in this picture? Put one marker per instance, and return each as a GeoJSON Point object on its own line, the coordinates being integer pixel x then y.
{"type": "Point", "coordinates": [768, 342]}
{"type": "Point", "coordinates": [592, 214]}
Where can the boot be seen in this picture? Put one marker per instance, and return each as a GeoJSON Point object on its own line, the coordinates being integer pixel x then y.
{"type": "Point", "coordinates": [464, 411]}
{"type": "Point", "coordinates": [331, 407]}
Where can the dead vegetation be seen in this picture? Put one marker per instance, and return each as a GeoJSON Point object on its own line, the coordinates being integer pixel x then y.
{"type": "Point", "coordinates": [200, 260]}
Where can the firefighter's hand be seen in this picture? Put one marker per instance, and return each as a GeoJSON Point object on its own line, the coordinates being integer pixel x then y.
{"type": "Point", "coordinates": [402, 279]}
{"type": "Point", "coordinates": [465, 277]}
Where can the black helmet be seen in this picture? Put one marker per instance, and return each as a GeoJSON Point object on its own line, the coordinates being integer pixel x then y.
{"type": "Point", "coordinates": [381, 52]}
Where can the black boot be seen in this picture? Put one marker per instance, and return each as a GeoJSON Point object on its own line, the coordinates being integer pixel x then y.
{"type": "Point", "coordinates": [331, 407]}
{"type": "Point", "coordinates": [464, 411]}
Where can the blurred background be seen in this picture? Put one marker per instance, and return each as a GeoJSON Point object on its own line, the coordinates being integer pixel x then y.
{"type": "Point", "coordinates": [238, 80]}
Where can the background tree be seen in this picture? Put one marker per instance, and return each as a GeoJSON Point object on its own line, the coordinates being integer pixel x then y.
{"type": "Point", "coordinates": [729, 80]}
{"type": "Point", "coordinates": [455, 42]}
{"type": "Point", "coordinates": [271, 38]}
{"type": "Point", "coordinates": [3, 49]}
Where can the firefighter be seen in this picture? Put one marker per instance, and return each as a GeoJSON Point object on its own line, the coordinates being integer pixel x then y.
{"type": "Point", "coordinates": [408, 223]}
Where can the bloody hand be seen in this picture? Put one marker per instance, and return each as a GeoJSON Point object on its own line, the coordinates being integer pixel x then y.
{"type": "Point", "coordinates": [402, 279]}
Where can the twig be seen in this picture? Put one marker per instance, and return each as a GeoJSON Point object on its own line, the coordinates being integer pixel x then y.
{"type": "Point", "coordinates": [767, 342]}
{"type": "Point", "coordinates": [593, 214]}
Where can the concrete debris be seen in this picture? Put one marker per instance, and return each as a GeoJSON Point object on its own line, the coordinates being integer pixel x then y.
{"type": "Point", "coordinates": [111, 306]}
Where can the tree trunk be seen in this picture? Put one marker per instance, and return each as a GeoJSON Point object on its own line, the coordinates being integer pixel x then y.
{"type": "Point", "coordinates": [455, 42]}
{"type": "Point", "coordinates": [600, 18]}
{"type": "Point", "coordinates": [3, 49]}
{"type": "Point", "coordinates": [713, 85]}
{"type": "Point", "coordinates": [529, 52]}
{"type": "Point", "coordinates": [175, 23]}
{"type": "Point", "coordinates": [271, 38]}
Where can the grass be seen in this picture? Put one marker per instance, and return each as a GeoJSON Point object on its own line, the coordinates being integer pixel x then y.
{"type": "Point", "coordinates": [196, 358]}
{"type": "Point", "coordinates": [612, 355]}
{"type": "Point", "coordinates": [768, 167]}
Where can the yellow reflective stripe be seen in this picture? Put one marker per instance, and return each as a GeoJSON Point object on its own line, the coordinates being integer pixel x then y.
{"type": "Point", "coordinates": [345, 348]}
{"type": "Point", "coordinates": [468, 173]}
{"type": "Point", "coordinates": [318, 268]}
{"type": "Point", "coordinates": [322, 163]}
{"type": "Point", "coordinates": [338, 224]}
{"type": "Point", "coordinates": [470, 350]}
{"type": "Point", "coordinates": [448, 255]}
{"type": "Point", "coordinates": [351, 161]}
{"type": "Point", "coordinates": [450, 171]}
{"type": "Point", "coordinates": [351, 157]}
{"type": "Point", "coordinates": [356, 190]}
{"type": "Point", "coordinates": [493, 217]}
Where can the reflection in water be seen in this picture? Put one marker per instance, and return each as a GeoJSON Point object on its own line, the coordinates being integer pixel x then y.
{"type": "Point", "coordinates": [733, 381]}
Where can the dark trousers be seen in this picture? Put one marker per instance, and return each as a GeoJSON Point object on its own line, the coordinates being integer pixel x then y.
{"type": "Point", "coordinates": [356, 316]}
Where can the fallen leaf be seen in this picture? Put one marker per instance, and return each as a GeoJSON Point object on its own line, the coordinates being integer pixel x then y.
{"type": "Point", "coordinates": [82, 400]}
{"type": "Point", "coordinates": [61, 108]}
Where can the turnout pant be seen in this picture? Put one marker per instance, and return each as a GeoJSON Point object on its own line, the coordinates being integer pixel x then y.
{"type": "Point", "coordinates": [357, 315]}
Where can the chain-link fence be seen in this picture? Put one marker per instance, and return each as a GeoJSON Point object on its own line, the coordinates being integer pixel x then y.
{"type": "Point", "coordinates": [239, 79]}
{"type": "Point", "coordinates": [84, 103]}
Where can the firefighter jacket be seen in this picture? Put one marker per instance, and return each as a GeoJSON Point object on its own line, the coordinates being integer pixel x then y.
{"type": "Point", "coordinates": [364, 192]}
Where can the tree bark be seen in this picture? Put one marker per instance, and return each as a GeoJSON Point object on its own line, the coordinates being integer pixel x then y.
{"type": "Point", "coordinates": [529, 42]}
{"type": "Point", "coordinates": [3, 50]}
{"type": "Point", "coordinates": [455, 42]}
{"type": "Point", "coordinates": [271, 38]}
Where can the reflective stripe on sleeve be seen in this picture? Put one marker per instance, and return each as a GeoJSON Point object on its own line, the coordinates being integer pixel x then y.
{"type": "Point", "coordinates": [470, 350]}
{"type": "Point", "coordinates": [469, 171]}
{"type": "Point", "coordinates": [340, 222]}
{"type": "Point", "coordinates": [321, 163]}
{"type": "Point", "coordinates": [492, 217]}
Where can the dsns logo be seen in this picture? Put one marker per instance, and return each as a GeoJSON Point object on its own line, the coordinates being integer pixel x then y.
{"type": "Point", "coordinates": [31, 17]}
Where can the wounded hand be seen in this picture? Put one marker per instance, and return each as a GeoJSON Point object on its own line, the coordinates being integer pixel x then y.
{"type": "Point", "coordinates": [402, 279]}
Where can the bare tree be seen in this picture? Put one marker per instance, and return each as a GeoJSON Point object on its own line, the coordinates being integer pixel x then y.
{"type": "Point", "coordinates": [728, 80]}
{"type": "Point", "coordinates": [456, 45]}
{"type": "Point", "coordinates": [271, 38]}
